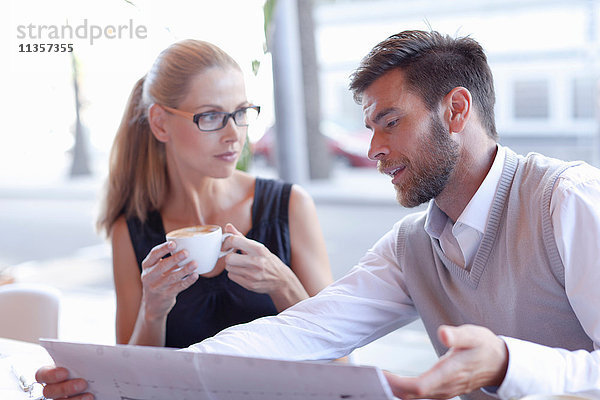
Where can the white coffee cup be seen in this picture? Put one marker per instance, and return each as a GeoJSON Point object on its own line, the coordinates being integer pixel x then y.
{"type": "Point", "coordinates": [203, 243]}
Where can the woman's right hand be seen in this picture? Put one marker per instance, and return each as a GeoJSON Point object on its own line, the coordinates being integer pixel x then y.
{"type": "Point", "coordinates": [163, 279]}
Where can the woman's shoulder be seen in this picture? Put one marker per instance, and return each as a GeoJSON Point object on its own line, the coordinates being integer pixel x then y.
{"type": "Point", "coordinates": [119, 230]}
{"type": "Point", "coordinates": [261, 187]}
{"type": "Point", "coordinates": [273, 189]}
{"type": "Point", "coordinates": [301, 202]}
{"type": "Point", "coordinates": [244, 180]}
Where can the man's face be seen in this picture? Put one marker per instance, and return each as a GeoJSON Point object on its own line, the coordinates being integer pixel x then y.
{"type": "Point", "coordinates": [409, 142]}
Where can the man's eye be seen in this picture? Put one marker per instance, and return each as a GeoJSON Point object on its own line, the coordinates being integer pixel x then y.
{"type": "Point", "coordinates": [392, 123]}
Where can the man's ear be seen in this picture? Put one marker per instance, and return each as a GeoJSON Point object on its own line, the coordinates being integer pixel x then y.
{"type": "Point", "coordinates": [156, 118]}
{"type": "Point", "coordinates": [458, 105]}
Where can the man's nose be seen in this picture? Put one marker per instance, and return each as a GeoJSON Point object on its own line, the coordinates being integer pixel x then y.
{"type": "Point", "coordinates": [378, 147]}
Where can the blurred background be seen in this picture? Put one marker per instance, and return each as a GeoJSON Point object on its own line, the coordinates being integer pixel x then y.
{"type": "Point", "coordinates": [60, 112]}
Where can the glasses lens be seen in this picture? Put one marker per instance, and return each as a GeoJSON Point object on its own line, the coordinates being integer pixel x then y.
{"type": "Point", "coordinates": [245, 116]}
{"type": "Point", "coordinates": [211, 121]}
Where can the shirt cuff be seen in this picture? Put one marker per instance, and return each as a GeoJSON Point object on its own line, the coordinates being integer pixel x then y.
{"type": "Point", "coordinates": [532, 368]}
{"type": "Point", "coordinates": [491, 390]}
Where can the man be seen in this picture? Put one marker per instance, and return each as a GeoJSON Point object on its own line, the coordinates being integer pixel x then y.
{"type": "Point", "coordinates": [503, 267]}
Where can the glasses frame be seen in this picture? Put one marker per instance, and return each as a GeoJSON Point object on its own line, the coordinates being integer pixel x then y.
{"type": "Point", "coordinates": [226, 116]}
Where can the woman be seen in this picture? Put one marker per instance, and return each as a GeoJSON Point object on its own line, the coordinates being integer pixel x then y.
{"type": "Point", "coordinates": [173, 165]}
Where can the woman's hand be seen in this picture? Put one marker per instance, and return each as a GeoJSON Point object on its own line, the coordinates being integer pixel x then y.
{"type": "Point", "coordinates": [259, 270]}
{"type": "Point", "coordinates": [59, 386]}
{"type": "Point", "coordinates": [163, 279]}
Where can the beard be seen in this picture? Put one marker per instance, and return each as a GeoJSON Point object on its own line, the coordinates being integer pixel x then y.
{"type": "Point", "coordinates": [428, 174]}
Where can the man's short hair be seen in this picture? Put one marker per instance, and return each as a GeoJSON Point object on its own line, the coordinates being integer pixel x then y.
{"type": "Point", "coordinates": [433, 65]}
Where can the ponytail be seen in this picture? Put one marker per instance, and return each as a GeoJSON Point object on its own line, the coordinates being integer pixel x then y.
{"type": "Point", "coordinates": [137, 178]}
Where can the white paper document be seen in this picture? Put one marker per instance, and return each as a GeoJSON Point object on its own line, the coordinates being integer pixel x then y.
{"type": "Point", "coordinates": [147, 373]}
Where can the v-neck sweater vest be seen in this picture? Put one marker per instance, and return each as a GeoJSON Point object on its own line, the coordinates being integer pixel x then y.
{"type": "Point", "coordinates": [515, 285]}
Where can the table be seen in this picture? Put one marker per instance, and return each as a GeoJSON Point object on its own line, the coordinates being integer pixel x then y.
{"type": "Point", "coordinates": [20, 360]}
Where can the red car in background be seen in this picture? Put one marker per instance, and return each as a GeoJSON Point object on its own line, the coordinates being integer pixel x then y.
{"type": "Point", "coordinates": [350, 148]}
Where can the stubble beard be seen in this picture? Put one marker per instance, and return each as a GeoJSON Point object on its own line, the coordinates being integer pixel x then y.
{"type": "Point", "coordinates": [426, 176]}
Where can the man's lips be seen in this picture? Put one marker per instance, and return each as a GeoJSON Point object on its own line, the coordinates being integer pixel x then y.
{"type": "Point", "coordinates": [393, 172]}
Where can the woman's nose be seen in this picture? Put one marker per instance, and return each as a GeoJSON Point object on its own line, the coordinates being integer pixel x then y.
{"type": "Point", "coordinates": [231, 132]}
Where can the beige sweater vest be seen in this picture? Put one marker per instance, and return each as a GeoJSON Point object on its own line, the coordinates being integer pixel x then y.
{"type": "Point", "coordinates": [515, 286]}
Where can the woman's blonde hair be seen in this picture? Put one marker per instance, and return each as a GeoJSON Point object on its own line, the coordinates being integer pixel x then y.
{"type": "Point", "coordinates": [138, 180]}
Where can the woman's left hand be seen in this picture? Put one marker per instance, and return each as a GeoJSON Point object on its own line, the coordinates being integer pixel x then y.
{"type": "Point", "coordinates": [259, 270]}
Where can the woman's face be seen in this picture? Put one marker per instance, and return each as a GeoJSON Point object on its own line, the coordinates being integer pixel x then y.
{"type": "Point", "coordinates": [215, 153]}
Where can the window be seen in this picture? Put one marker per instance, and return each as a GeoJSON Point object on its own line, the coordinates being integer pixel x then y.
{"type": "Point", "coordinates": [584, 98]}
{"type": "Point", "coordinates": [531, 99]}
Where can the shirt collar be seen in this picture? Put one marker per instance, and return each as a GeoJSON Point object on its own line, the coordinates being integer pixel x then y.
{"type": "Point", "coordinates": [476, 212]}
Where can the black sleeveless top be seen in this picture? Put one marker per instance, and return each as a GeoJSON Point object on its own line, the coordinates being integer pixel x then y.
{"type": "Point", "coordinates": [213, 304]}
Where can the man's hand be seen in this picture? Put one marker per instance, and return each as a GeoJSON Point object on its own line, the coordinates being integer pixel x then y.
{"type": "Point", "coordinates": [476, 358]}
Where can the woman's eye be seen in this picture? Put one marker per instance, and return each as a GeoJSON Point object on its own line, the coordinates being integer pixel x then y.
{"type": "Point", "coordinates": [211, 117]}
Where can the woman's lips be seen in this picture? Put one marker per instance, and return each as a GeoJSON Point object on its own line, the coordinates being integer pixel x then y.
{"type": "Point", "coordinates": [229, 156]}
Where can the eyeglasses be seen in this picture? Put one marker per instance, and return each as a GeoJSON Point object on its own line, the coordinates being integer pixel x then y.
{"type": "Point", "coordinates": [216, 120]}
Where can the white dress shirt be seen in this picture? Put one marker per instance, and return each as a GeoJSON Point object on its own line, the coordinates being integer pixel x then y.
{"type": "Point", "coordinates": [460, 240]}
{"type": "Point", "coordinates": [371, 300]}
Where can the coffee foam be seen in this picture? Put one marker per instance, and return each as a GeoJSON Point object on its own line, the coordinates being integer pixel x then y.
{"type": "Point", "coordinates": [192, 231]}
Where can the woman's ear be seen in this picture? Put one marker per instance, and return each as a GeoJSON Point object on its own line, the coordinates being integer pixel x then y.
{"type": "Point", "coordinates": [157, 118]}
{"type": "Point", "coordinates": [458, 104]}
